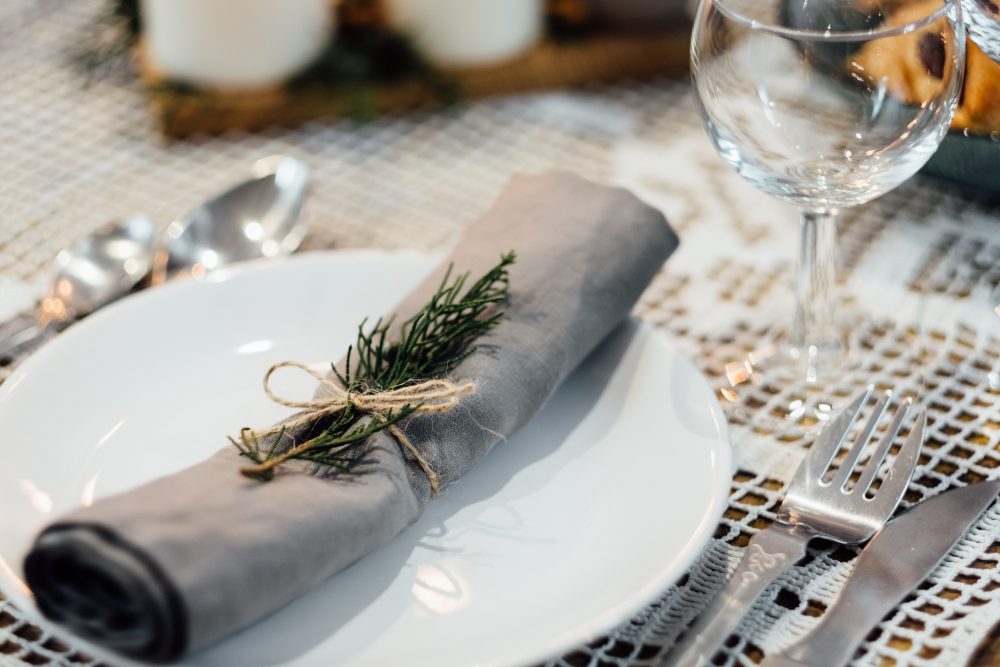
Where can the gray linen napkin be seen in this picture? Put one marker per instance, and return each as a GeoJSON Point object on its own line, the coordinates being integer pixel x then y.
{"type": "Point", "coordinates": [179, 563]}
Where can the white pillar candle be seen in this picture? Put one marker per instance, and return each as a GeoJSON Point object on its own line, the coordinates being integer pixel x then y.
{"type": "Point", "coordinates": [469, 32]}
{"type": "Point", "coordinates": [235, 43]}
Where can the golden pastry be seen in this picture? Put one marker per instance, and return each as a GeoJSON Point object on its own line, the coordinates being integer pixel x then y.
{"type": "Point", "coordinates": [912, 67]}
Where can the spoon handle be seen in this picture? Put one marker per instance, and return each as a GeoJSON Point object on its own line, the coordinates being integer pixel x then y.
{"type": "Point", "coordinates": [19, 332]}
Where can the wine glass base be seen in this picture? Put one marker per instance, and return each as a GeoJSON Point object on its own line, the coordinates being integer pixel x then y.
{"type": "Point", "coordinates": [790, 390]}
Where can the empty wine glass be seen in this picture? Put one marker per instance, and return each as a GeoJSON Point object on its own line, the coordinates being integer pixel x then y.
{"type": "Point", "coordinates": [825, 104]}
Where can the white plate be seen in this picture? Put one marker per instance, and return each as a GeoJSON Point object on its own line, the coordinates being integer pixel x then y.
{"type": "Point", "coordinates": [564, 531]}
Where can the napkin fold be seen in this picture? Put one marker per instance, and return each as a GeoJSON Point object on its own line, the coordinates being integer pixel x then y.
{"type": "Point", "coordinates": [179, 563]}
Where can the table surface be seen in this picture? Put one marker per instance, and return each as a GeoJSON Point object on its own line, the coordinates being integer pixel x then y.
{"type": "Point", "coordinates": [916, 263]}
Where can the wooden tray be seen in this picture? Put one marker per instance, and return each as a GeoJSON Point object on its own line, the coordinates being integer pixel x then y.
{"type": "Point", "coordinates": [183, 112]}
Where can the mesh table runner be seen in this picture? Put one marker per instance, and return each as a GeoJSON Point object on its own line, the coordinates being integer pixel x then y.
{"type": "Point", "coordinates": [919, 264]}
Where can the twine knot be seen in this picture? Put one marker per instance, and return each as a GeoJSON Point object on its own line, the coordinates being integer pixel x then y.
{"type": "Point", "coordinates": [427, 397]}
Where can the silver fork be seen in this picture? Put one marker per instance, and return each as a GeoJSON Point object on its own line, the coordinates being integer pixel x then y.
{"type": "Point", "coordinates": [812, 508]}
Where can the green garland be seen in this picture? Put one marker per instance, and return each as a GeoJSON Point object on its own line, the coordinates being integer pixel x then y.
{"type": "Point", "coordinates": [431, 343]}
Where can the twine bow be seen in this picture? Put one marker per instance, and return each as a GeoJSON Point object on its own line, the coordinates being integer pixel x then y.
{"type": "Point", "coordinates": [427, 397]}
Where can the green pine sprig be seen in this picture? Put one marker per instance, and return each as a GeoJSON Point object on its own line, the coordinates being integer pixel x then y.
{"type": "Point", "coordinates": [431, 343]}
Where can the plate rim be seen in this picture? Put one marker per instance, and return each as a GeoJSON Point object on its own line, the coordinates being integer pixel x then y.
{"type": "Point", "coordinates": [11, 580]}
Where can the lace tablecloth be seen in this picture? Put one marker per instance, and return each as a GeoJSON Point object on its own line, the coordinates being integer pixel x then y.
{"type": "Point", "coordinates": [919, 261]}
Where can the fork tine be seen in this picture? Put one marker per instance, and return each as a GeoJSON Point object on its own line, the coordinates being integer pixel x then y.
{"type": "Point", "coordinates": [847, 467]}
{"type": "Point", "coordinates": [891, 491]}
{"type": "Point", "coordinates": [829, 440]}
{"type": "Point", "coordinates": [875, 462]}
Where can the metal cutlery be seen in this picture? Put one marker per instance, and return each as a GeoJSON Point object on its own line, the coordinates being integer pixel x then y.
{"type": "Point", "coordinates": [897, 559]}
{"type": "Point", "coordinates": [253, 219]}
{"type": "Point", "coordinates": [96, 271]}
{"type": "Point", "coordinates": [815, 505]}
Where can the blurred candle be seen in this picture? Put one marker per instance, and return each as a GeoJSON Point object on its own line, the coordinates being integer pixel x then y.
{"type": "Point", "coordinates": [469, 32]}
{"type": "Point", "coordinates": [235, 43]}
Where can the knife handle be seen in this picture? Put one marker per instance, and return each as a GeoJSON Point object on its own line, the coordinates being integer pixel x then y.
{"type": "Point", "coordinates": [870, 593]}
{"type": "Point", "coordinates": [770, 553]}
{"type": "Point", "coordinates": [834, 642]}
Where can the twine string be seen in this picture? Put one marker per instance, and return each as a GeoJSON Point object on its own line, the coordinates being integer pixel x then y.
{"type": "Point", "coordinates": [427, 397]}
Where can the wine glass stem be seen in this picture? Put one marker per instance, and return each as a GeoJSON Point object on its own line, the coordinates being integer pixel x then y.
{"type": "Point", "coordinates": [815, 276]}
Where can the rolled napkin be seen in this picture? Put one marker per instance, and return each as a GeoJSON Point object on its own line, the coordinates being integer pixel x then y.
{"type": "Point", "coordinates": [177, 564]}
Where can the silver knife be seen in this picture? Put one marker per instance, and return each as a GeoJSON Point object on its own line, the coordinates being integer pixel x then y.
{"type": "Point", "coordinates": [896, 560]}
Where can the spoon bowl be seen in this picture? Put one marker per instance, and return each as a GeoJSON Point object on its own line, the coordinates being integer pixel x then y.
{"type": "Point", "coordinates": [101, 268]}
{"type": "Point", "coordinates": [254, 219]}
{"type": "Point", "coordinates": [96, 271]}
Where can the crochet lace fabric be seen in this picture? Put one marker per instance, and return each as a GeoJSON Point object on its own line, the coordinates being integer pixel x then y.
{"type": "Point", "coordinates": [917, 268]}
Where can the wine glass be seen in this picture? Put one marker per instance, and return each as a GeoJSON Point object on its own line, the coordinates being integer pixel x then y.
{"type": "Point", "coordinates": [825, 104]}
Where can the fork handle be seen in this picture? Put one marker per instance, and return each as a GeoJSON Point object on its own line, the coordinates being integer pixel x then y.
{"type": "Point", "coordinates": [18, 332]}
{"type": "Point", "coordinates": [770, 553]}
{"type": "Point", "coordinates": [26, 331]}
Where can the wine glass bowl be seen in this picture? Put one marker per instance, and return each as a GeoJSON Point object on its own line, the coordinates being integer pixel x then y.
{"type": "Point", "coordinates": [821, 103]}
{"type": "Point", "coordinates": [825, 104]}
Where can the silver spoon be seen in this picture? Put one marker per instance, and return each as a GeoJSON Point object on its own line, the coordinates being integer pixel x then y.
{"type": "Point", "coordinates": [257, 218]}
{"type": "Point", "coordinates": [100, 269]}
{"type": "Point", "coordinates": [254, 219]}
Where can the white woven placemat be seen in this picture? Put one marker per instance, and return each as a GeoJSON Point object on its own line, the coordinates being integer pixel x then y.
{"type": "Point", "coordinates": [919, 260]}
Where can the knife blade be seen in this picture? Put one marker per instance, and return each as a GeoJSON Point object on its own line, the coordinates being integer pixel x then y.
{"type": "Point", "coordinates": [896, 560]}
